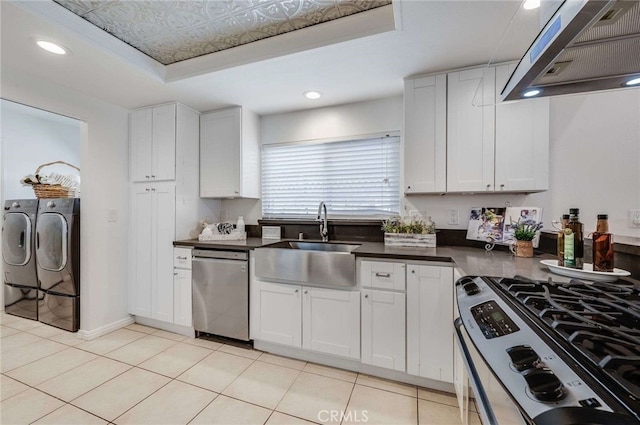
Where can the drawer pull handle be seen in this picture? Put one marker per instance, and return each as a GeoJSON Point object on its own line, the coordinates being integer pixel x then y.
{"type": "Point", "coordinates": [383, 274]}
{"type": "Point", "coordinates": [366, 296]}
{"type": "Point", "coordinates": [181, 258]}
{"type": "Point", "coordinates": [296, 291]}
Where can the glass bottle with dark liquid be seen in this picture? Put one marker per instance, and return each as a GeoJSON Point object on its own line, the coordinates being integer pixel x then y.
{"type": "Point", "coordinates": [602, 245]}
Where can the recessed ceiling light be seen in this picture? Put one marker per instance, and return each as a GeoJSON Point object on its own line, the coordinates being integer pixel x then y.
{"type": "Point", "coordinates": [311, 94]}
{"type": "Point", "coordinates": [531, 4]}
{"type": "Point", "coordinates": [633, 82]}
{"type": "Point", "coordinates": [52, 47]}
{"type": "Point", "coordinates": [531, 93]}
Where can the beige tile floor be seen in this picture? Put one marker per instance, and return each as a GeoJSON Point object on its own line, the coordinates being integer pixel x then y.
{"type": "Point", "coordinates": [141, 375]}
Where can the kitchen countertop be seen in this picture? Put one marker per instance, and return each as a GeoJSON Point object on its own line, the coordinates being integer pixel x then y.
{"type": "Point", "coordinates": [246, 245]}
{"type": "Point", "coordinates": [471, 261]}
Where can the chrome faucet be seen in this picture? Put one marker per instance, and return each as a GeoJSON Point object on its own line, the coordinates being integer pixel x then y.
{"type": "Point", "coordinates": [324, 227]}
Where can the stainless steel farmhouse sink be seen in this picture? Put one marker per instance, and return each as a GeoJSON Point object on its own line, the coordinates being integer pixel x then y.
{"type": "Point", "coordinates": [312, 263]}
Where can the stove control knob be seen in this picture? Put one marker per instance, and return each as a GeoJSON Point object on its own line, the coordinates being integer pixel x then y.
{"type": "Point", "coordinates": [471, 288]}
{"type": "Point", "coordinates": [523, 357]}
{"type": "Point", "coordinates": [544, 384]}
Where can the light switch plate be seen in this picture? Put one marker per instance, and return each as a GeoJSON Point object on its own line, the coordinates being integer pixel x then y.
{"type": "Point", "coordinates": [453, 216]}
{"type": "Point", "coordinates": [634, 219]}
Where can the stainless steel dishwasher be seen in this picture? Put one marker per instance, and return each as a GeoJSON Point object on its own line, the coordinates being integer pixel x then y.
{"type": "Point", "coordinates": [221, 293]}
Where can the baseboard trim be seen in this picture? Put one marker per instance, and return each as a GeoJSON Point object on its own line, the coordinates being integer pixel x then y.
{"type": "Point", "coordinates": [166, 326]}
{"type": "Point", "coordinates": [103, 330]}
{"type": "Point", "coordinates": [352, 365]}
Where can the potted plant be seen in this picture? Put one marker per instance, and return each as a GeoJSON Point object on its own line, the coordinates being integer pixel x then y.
{"type": "Point", "coordinates": [411, 233]}
{"type": "Point", "coordinates": [524, 232]}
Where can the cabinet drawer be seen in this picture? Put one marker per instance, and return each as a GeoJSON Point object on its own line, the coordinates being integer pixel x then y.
{"type": "Point", "coordinates": [382, 275]}
{"type": "Point", "coordinates": [182, 258]}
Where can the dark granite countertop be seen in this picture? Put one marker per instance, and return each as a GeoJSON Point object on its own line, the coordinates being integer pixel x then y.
{"type": "Point", "coordinates": [246, 245]}
{"type": "Point", "coordinates": [471, 261]}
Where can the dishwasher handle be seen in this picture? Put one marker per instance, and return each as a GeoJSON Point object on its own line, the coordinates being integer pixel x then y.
{"type": "Point", "coordinates": [224, 255]}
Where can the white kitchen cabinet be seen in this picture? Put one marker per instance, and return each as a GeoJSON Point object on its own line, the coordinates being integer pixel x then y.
{"type": "Point", "coordinates": [383, 329]}
{"type": "Point", "coordinates": [458, 139]}
{"type": "Point", "coordinates": [153, 143]}
{"type": "Point", "coordinates": [383, 313]}
{"type": "Point", "coordinates": [425, 134]}
{"type": "Point", "coordinates": [277, 313]}
{"type": "Point", "coordinates": [318, 319]}
{"type": "Point", "coordinates": [470, 130]}
{"type": "Point", "coordinates": [430, 315]}
{"type": "Point", "coordinates": [182, 277]}
{"type": "Point", "coordinates": [331, 321]}
{"type": "Point", "coordinates": [152, 235]}
{"type": "Point", "coordinates": [229, 154]}
{"type": "Point", "coordinates": [522, 131]}
{"type": "Point", "coordinates": [163, 211]}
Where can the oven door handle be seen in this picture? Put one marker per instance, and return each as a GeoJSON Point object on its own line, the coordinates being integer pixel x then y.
{"type": "Point", "coordinates": [486, 412]}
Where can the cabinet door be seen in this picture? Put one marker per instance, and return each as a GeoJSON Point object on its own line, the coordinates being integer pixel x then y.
{"type": "Point", "coordinates": [425, 134]}
{"type": "Point", "coordinates": [140, 142]}
{"type": "Point", "coordinates": [383, 329]}
{"type": "Point", "coordinates": [182, 297]}
{"type": "Point", "coordinates": [331, 321]}
{"type": "Point", "coordinates": [430, 322]}
{"type": "Point", "coordinates": [470, 130]}
{"type": "Point", "coordinates": [220, 138]}
{"type": "Point", "coordinates": [164, 142]}
{"type": "Point", "coordinates": [278, 313]}
{"type": "Point", "coordinates": [141, 252]}
{"type": "Point", "coordinates": [164, 206]}
{"type": "Point", "coordinates": [522, 140]}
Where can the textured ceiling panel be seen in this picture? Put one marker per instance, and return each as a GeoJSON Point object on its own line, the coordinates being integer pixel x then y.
{"type": "Point", "coordinates": [172, 31]}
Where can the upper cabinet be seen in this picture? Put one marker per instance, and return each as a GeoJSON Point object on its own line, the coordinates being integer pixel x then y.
{"type": "Point", "coordinates": [457, 139]}
{"type": "Point", "coordinates": [522, 140]}
{"type": "Point", "coordinates": [425, 134]}
{"type": "Point", "coordinates": [229, 154]}
{"type": "Point", "coordinates": [470, 130]}
{"type": "Point", "coordinates": [153, 143]}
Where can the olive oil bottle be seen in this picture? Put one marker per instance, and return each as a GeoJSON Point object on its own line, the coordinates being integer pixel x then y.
{"type": "Point", "coordinates": [573, 241]}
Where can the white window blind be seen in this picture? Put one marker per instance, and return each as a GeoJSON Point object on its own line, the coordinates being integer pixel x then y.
{"type": "Point", "coordinates": [355, 178]}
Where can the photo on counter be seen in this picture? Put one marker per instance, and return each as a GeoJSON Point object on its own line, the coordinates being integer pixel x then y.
{"type": "Point", "coordinates": [485, 224]}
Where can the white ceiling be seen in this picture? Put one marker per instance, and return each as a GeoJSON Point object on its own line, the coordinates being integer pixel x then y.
{"type": "Point", "coordinates": [430, 36]}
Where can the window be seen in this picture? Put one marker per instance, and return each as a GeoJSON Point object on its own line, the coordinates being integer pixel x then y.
{"type": "Point", "coordinates": [355, 178]}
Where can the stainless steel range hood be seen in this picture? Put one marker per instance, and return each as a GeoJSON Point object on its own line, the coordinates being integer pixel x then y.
{"type": "Point", "coordinates": [587, 45]}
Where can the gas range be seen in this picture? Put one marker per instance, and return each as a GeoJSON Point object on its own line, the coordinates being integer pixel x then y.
{"type": "Point", "coordinates": [566, 353]}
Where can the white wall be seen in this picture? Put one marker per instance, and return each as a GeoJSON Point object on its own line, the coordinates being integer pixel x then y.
{"type": "Point", "coordinates": [594, 157]}
{"type": "Point", "coordinates": [371, 117]}
{"type": "Point", "coordinates": [104, 159]}
{"type": "Point", "coordinates": [31, 137]}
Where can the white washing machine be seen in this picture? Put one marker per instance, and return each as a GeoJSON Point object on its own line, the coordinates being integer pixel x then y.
{"type": "Point", "coordinates": [18, 255]}
{"type": "Point", "coordinates": [58, 262]}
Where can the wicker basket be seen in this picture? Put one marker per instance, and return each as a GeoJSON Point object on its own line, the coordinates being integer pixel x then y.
{"type": "Point", "coordinates": [44, 191]}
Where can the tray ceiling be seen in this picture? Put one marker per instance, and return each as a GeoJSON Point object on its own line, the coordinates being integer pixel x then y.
{"type": "Point", "coordinates": [172, 31]}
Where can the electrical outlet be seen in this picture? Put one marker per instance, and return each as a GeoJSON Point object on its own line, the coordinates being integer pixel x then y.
{"type": "Point", "coordinates": [634, 219]}
{"type": "Point", "coordinates": [112, 215]}
{"type": "Point", "coordinates": [453, 216]}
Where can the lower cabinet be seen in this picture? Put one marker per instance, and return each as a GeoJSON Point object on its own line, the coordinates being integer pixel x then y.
{"type": "Point", "coordinates": [430, 315]}
{"type": "Point", "coordinates": [383, 329]}
{"type": "Point", "coordinates": [278, 313]}
{"type": "Point", "coordinates": [182, 311]}
{"type": "Point", "coordinates": [318, 319]}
